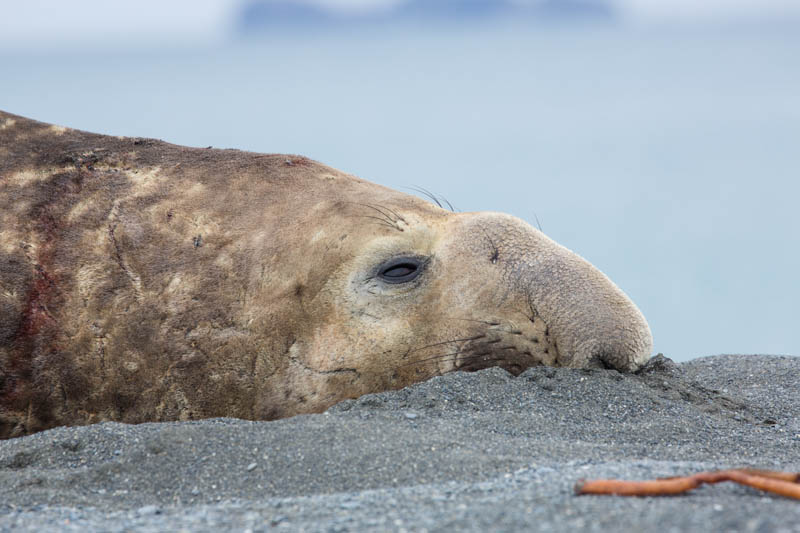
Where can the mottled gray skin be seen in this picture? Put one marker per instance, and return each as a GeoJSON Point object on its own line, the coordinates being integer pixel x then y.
{"type": "Point", "coordinates": [142, 281]}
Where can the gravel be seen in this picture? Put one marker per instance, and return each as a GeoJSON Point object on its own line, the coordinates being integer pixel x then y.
{"type": "Point", "coordinates": [468, 451]}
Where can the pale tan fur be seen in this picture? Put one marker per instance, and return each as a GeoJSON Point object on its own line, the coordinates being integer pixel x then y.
{"type": "Point", "coordinates": [142, 281]}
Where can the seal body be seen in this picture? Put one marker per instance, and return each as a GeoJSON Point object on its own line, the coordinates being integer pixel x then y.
{"type": "Point", "coordinates": [143, 281]}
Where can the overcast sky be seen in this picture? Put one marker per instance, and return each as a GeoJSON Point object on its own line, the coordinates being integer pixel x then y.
{"type": "Point", "coordinates": [54, 23]}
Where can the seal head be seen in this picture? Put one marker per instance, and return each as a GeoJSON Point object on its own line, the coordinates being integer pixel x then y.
{"type": "Point", "coordinates": [142, 281]}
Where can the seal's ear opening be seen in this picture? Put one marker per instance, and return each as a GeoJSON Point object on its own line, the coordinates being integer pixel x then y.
{"type": "Point", "coordinates": [400, 270]}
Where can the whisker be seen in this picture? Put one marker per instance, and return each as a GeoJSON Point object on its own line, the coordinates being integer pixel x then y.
{"type": "Point", "coordinates": [436, 199]}
{"type": "Point", "coordinates": [435, 357]}
{"type": "Point", "coordinates": [538, 223]}
{"type": "Point", "coordinates": [426, 193]}
{"type": "Point", "coordinates": [453, 209]}
{"type": "Point", "coordinates": [381, 220]}
{"type": "Point", "coordinates": [383, 214]}
{"type": "Point", "coordinates": [494, 356]}
{"type": "Point", "coordinates": [447, 342]}
{"type": "Point", "coordinates": [487, 357]}
{"type": "Point", "coordinates": [380, 209]}
{"type": "Point", "coordinates": [399, 217]}
{"type": "Point", "coordinates": [474, 320]}
{"type": "Point", "coordinates": [409, 352]}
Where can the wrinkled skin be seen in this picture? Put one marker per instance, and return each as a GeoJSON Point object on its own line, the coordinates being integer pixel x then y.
{"type": "Point", "coordinates": [142, 281]}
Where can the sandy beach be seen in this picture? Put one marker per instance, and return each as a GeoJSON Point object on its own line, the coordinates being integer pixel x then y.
{"type": "Point", "coordinates": [465, 451]}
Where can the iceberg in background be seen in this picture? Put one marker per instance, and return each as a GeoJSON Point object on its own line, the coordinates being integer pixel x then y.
{"type": "Point", "coordinates": [482, 9]}
{"type": "Point", "coordinates": [57, 25]}
{"type": "Point", "coordinates": [261, 16]}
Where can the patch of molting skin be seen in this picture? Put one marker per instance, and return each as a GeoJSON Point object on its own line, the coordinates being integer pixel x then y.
{"type": "Point", "coordinates": [318, 236]}
{"type": "Point", "coordinates": [6, 292]}
{"type": "Point", "coordinates": [327, 350]}
{"type": "Point", "coordinates": [7, 123]}
{"type": "Point", "coordinates": [58, 130]}
{"type": "Point", "coordinates": [174, 285]}
{"type": "Point", "coordinates": [26, 178]}
{"type": "Point", "coordinates": [86, 279]}
{"type": "Point", "coordinates": [79, 209]}
{"type": "Point", "coordinates": [17, 214]}
{"type": "Point", "coordinates": [145, 181]}
{"type": "Point", "coordinates": [195, 190]}
{"type": "Point", "coordinates": [132, 360]}
{"type": "Point", "coordinates": [179, 293]}
{"type": "Point", "coordinates": [10, 240]}
{"type": "Point", "coordinates": [294, 352]}
{"type": "Point", "coordinates": [224, 261]}
{"type": "Point", "coordinates": [31, 250]}
{"type": "Point", "coordinates": [205, 225]}
{"type": "Point", "coordinates": [411, 220]}
{"type": "Point", "coordinates": [136, 281]}
{"type": "Point", "coordinates": [174, 401]}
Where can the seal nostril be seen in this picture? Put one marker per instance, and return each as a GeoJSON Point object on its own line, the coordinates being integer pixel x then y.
{"type": "Point", "coordinates": [599, 360]}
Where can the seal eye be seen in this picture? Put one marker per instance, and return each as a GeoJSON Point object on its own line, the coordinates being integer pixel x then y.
{"type": "Point", "coordinates": [400, 270]}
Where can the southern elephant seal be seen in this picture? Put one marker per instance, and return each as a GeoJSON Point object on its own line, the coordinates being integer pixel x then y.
{"type": "Point", "coordinates": [143, 281]}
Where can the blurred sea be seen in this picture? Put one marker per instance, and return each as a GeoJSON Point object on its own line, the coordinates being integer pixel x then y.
{"type": "Point", "coordinates": [669, 158]}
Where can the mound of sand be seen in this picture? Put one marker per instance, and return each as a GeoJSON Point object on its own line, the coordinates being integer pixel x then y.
{"type": "Point", "coordinates": [474, 451]}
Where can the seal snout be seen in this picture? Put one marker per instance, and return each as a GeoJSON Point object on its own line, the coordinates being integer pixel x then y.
{"type": "Point", "coordinates": [591, 321]}
{"type": "Point", "coordinates": [600, 326]}
{"type": "Point", "coordinates": [594, 323]}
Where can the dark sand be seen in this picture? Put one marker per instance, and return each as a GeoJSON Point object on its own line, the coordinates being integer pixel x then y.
{"type": "Point", "coordinates": [476, 452]}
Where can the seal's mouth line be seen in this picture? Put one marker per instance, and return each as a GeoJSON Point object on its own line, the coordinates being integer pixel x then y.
{"type": "Point", "coordinates": [514, 345]}
{"type": "Point", "coordinates": [491, 352]}
{"type": "Point", "coordinates": [438, 357]}
{"type": "Point", "coordinates": [496, 353]}
{"type": "Point", "coordinates": [466, 339]}
{"type": "Point", "coordinates": [294, 359]}
{"type": "Point", "coordinates": [481, 361]}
